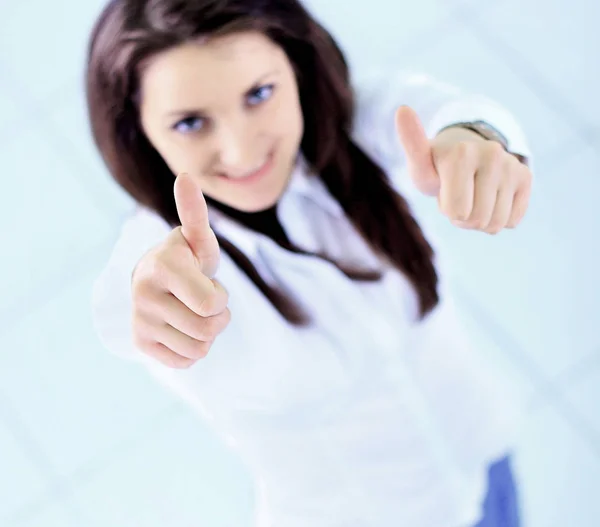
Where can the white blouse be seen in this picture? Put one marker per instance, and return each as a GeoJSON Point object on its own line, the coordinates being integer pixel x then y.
{"type": "Point", "coordinates": [368, 417]}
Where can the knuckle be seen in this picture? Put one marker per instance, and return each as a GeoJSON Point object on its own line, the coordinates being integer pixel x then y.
{"type": "Point", "coordinates": [211, 304]}
{"type": "Point", "coordinates": [517, 164]}
{"type": "Point", "coordinates": [177, 362]}
{"type": "Point", "coordinates": [212, 327]}
{"type": "Point", "coordinates": [463, 150]}
{"type": "Point", "coordinates": [216, 324]}
{"type": "Point", "coordinates": [159, 265]}
{"type": "Point", "coordinates": [525, 176]}
{"type": "Point", "coordinates": [495, 150]}
{"type": "Point", "coordinates": [515, 175]}
{"type": "Point", "coordinates": [150, 271]}
{"type": "Point", "coordinates": [199, 350]}
{"type": "Point", "coordinates": [206, 305]}
{"type": "Point", "coordinates": [514, 164]}
{"type": "Point", "coordinates": [167, 259]}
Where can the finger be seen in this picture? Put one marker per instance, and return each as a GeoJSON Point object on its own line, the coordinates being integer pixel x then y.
{"type": "Point", "coordinates": [182, 344]}
{"type": "Point", "coordinates": [203, 296]}
{"type": "Point", "coordinates": [487, 182]}
{"type": "Point", "coordinates": [417, 148]}
{"type": "Point", "coordinates": [519, 206]}
{"type": "Point", "coordinates": [166, 356]}
{"type": "Point", "coordinates": [502, 211]}
{"type": "Point", "coordinates": [192, 209]}
{"type": "Point", "coordinates": [457, 182]}
{"type": "Point", "coordinates": [195, 227]}
{"type": "Point", "coordinates": [172, 311]}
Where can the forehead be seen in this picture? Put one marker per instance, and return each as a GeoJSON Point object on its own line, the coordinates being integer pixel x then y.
{"type": "Point", "coordinates": [209, 68]}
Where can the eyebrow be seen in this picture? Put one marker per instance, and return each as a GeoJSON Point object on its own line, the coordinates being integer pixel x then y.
{"type": "Point", "coordinates": [199, 111]}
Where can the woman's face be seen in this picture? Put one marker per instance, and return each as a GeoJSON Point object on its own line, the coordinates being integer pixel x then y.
{"type": "Point", "coordinates": [226, 111]}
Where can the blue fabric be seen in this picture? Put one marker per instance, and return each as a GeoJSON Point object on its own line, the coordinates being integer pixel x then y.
{"type": "Point", "coordinates": [501, 507]}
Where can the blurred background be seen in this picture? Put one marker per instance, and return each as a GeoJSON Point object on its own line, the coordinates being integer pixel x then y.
{"type": "Point", "coordinates": [87, 440]}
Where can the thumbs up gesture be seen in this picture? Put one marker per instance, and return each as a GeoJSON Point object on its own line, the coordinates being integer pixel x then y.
{"type": "Point", "coordinates": [478, 184]}
{"type": "Point", "coordinates": [178, 309]}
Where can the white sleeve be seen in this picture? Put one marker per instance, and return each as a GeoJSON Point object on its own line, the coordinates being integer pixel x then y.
{"type": "Point", "coordinates": [439, 105]}
{"type": "Point", "coordinates": [111, 295]}
{"type": "Point", "coordinates": [379, 95]}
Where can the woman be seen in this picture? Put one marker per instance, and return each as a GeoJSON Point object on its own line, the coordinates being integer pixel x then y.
{"type": "Point", "coordinates": [279, 283]}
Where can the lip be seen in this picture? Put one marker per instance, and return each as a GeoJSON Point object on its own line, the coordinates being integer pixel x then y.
{"type": "Point", "coordinates": [254, 176]}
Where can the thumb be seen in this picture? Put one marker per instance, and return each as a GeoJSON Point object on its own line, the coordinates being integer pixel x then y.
{"type": "Point", "coordinates": [193, 214]}
{"type": "Point", "coordinates": [417, 147]}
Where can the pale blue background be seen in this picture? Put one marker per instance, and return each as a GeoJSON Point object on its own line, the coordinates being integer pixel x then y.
{"type": "Point", "coordinates": [86, 440]}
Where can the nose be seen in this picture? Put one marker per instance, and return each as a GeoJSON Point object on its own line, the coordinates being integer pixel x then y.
{"type": "Point", "coordinates": [237, 154]}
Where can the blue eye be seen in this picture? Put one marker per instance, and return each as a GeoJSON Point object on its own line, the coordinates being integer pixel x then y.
{"type": "Point", "coordinates": [189, 125]}
{"type": "Point", "coordinates": [260, 94]}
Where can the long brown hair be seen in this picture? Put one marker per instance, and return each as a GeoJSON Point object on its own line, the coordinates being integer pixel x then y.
{"type": "Point", "coordinates": [130, 31]}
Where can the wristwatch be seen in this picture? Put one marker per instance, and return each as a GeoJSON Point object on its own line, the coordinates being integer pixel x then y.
{"type": "Point", "coordinates": [487, 131]}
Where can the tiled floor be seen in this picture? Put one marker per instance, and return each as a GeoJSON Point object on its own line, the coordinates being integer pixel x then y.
{"type": "Point", "coordinates": [86, 440]}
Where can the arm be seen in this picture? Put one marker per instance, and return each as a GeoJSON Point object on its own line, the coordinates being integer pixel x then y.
{"type": "Point", "coordinates": [438, 105]}
{"type": "Point", "coordinates": [415, 126]}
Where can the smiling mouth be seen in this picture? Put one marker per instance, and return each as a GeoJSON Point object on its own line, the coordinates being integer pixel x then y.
{"type": "Point", "coordinates": [253, 176]}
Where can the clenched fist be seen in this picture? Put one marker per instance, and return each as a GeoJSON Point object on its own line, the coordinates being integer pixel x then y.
{"type": "Point", "coordinates": [478, 184]}
{"type": "Point", "coordinates": [178, 309]}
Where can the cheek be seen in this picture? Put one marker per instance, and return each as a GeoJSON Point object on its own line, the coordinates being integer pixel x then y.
{"type": "Point", "coordinates": [296, 119]}
{"type": "Point", "coordinates": [290, 128]}
{"type": "Point", "coordinates": [285, 117]}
